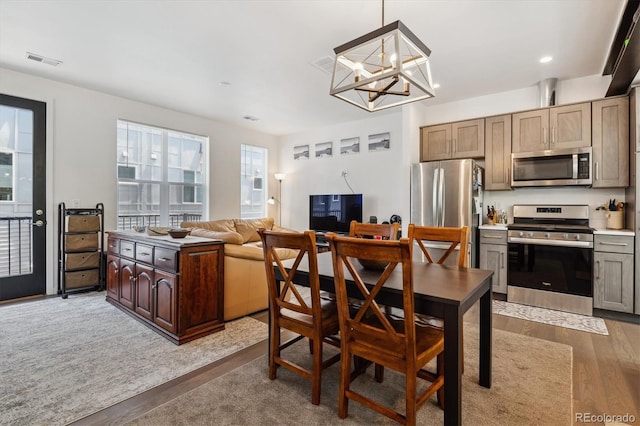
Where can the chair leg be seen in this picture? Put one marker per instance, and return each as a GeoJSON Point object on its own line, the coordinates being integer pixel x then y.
{"type": "Point", "coordinates": [274, 350]}
{"type": "Point", "coordinates": [379, 373]}
{"type": "Point", "coordinates": [345, 378]}
{"type": "Point", "coordinates": [410, 395]}
{"type": "Point", "coordinates": [316, 377]}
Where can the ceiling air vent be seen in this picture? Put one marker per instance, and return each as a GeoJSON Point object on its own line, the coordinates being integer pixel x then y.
{"type": "Point", "coordinates": [43, 59]}
{"type": "Point", "coordinates": [324, 64]}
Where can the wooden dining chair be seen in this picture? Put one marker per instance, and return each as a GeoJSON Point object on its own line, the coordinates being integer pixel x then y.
{"type": "Point", "coordinates": [311, 316]}
{"type": "Point", "coordinates": [386, 231]}
{"type": "Point", "coordinates": [372, 335]}
{"type": "Point", "coordinates": [452, 237]}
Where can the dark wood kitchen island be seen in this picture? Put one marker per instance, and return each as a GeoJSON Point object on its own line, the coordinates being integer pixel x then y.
{"type": "Point", "coordinates": [173, 286]}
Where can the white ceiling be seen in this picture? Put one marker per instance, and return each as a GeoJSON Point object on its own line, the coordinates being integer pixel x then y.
{"type": "Point", "coordinates": [176, 53]}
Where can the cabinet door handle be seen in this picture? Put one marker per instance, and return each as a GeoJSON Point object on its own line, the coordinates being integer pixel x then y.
{"type": "Point", "coordinates": [145, 254]}
{"type": "Point", "coordinates": [544, 136]}
{"type": "Point", "coordinates": [453, 146]}
{"type": "Point", "coordinates": [553, 135]}
{"type": "Point", "coordinates": [596, 167]}
{"type": "Point", "coordinates": [597, 269]}
{"type": "Point", "coordinates": [492, 236]}
{"type": "Point", "coordinates": [501, 260]}
{"type": "Point", "coordinates": [607, 243]}
{"type": "Point", "coordinates": [126, 249]}
{"type": "Point", "coordinates": [164, 259]}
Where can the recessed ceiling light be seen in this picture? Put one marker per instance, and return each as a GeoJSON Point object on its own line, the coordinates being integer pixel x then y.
{"type": "Point", "coordinates": [546, 59]}
{"type": "Point", "coordinates": [436, 85]}
{"type": "Point", "coordinates": [251, 118]}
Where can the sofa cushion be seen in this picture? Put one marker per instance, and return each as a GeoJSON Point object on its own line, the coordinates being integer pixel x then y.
{"type": "Point", "coordinates": [248, 228]}
{"type": "Point", "coordinates": [221, 225]}
{"type": "Point", "coordinates": [253, 251]}
{"type": "Point", "coordinates": [229, 237]}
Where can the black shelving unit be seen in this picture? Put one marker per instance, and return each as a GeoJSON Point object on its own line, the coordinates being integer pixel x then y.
{"type": "Point", "coordinates": [80, 249]}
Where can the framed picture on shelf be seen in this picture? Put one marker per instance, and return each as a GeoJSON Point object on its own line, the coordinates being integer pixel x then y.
{"type": "Point", "coordinates": [379, 142]}
{"type": "Point", "coordinates": [301, 152]}
{"type": "Point", "coordinates": [349, 146]}
{"type": "Point", "coordinates": [324, 149]}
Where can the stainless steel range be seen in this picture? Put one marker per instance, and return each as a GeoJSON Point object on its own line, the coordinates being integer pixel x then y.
{"type": "Point", "coordinates": [551, 257]}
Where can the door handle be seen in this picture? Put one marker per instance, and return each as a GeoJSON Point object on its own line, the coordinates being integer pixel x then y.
{"type": "Point", "coordinates": [502, 260]}
{"type": "Point", "coordinates": [39, 223]}
{"type": "Point", "coordinates": [597, 269]}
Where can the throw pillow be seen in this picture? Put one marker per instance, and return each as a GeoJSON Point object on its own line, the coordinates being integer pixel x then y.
{"type": "Point", "coordinates": [248, 228]}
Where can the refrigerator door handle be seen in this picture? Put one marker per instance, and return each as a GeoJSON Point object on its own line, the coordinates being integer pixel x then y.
{"type": "Point", "coordinates": [441, 200]}
{"type": "Point", "coordinates": [434, 205]}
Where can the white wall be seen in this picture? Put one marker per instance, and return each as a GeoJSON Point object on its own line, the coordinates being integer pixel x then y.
{"type": "Point", "coordinates": [379, 176]}
{"type": "Point", "coordinates": [81, 149]}
{"type": "Point", "coordinates": [383, 178]}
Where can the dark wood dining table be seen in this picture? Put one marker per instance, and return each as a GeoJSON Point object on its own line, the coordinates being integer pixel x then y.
{"type": "Point", "coordinates": [443, 291]}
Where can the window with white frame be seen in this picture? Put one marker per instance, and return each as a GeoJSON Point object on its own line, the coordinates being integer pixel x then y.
{"type": "Point", "coordinates": [161, 176]}
{"type": "Point", "coordinates": [253, 187]}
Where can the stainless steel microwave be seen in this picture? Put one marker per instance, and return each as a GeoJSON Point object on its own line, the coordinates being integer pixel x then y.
{"type": "Point", "coordinates": [560, 167]}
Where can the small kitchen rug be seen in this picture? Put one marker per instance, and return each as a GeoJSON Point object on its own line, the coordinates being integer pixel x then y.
{"type": "Point", "coordinates": [551, 317]}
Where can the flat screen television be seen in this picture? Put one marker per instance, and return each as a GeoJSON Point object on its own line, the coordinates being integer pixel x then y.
{"type": "Point", "coordinates": [334, 212]}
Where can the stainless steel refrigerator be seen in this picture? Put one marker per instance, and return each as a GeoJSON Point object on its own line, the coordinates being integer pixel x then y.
{"type": "Point", "coordinates": [448, 193]}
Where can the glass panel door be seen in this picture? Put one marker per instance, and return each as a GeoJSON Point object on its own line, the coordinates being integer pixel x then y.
{"type": "Point", "coordinates": [22, 197]}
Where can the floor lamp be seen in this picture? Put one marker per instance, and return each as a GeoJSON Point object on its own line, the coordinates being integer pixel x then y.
{"type": "Point", "coordinates": [279, 177]}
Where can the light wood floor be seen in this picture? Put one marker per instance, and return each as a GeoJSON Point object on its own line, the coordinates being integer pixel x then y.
{"type": "Point", "coordinates": [606, 370]}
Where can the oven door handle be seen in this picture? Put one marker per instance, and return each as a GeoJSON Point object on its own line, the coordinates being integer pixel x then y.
{"type": "Point", "coordinates": [561, 243]}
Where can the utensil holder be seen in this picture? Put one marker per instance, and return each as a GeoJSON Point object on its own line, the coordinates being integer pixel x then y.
{"type": "Point", "coordinates": [615, 220]}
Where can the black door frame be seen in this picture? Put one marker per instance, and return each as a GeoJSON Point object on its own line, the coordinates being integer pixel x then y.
{"type": "Point", "coordinates": [35, 283]}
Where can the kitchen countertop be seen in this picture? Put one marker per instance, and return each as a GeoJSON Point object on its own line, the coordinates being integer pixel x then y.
{"type": "Point", "coordinates": [496, 227]}
{"type": "Point", "coordinates": [627, 232]}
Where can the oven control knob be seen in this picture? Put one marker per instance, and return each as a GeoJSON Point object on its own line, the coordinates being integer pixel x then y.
{"type": "Point", "coordinates": [577, 237]}
{"type": "Point", "coordinates": [521, 234]}
{"type": "Point", "coordinates": [547, 235]}
{"type": "Point", "coordinates": [565, 236]}
{"type": "Point", "coordinates": [530, 234]}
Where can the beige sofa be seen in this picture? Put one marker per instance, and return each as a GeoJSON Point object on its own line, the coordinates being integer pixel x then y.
{"type": "Point", "coordinates": [245, 282]}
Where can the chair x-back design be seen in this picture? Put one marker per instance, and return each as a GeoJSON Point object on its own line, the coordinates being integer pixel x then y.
{"type": "Point", "coordinates": [454, 236]}
{"type": "Point", "coordinates": [310, 317]}
{"type": "Point", "coordinates": [368, 333]}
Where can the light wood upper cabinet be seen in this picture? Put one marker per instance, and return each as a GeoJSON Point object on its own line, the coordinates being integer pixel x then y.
{"type": "Point", "coordinates": [498, 153]}
{"type": "Point", "coordinates": [611, 143]}
{"type": "Point", "coordinates": [559, 127]}
{"type": "Point", "coordinates": [463, 139]}
{"type": "Point", "coordinates": [530, 131]}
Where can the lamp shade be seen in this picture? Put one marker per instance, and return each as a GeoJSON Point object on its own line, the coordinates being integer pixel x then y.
{"type": "Point", "coordinates": [382, 69]}
{"type": "Point", "coordinates": [280, 176]}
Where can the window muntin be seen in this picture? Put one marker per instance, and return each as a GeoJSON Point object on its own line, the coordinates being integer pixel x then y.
{"type": "Point", "coordinates": [160, 176]}
{"type": "Point", "coordinates": [253, 188]}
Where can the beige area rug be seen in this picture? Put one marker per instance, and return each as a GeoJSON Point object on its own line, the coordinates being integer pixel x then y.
{"type": "Point", "coordinates": [61, 360]}
{"type": "Point", "coordinates": [551, 317]}
{"type": "Point", "coordinates": [532, 384]}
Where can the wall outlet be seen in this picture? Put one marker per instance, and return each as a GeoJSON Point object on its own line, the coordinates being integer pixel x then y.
{"type": "Point", "coordinates": [344, 173]}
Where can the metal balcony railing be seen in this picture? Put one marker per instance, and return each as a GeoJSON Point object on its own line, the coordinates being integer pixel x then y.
{"type": "Point", "coordinates": [126, 222]}
{"type": "Point", "coordinates": [15, 246]}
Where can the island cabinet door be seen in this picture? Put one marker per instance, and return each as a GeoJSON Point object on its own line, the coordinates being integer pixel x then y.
{"type": "Point", "coordinates": [113, 277]}
{"type": "Point", "coordinates": [127, 283]}
{"type": "Point", "coordinates": [165, 297]}
{"type": "Point", "coordinates": [144, 291]}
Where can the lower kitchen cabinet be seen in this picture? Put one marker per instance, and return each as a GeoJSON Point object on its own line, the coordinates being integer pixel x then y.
{"type": "Point", "coordinates": [493, 256]}
{"type": "Point", "coordinates": [613, 273]}
{"type": "Point", "coordinates": [174, 286]}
